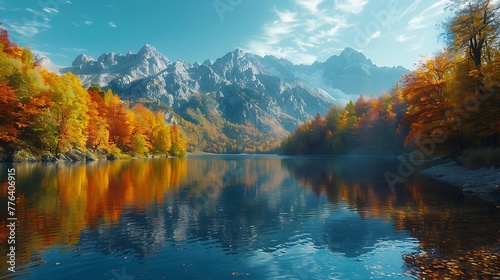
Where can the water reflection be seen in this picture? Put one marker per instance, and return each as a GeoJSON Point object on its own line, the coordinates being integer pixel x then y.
{"type": "Point", "coordinates": [266, 216]}
{"type": "Point", "coordinates": [56, 202]}
{"type": "Point", "coordinates": [448, 225]}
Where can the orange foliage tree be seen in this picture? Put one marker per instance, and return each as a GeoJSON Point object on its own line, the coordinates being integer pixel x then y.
{"type": "Point", "coordinates": [44, 112]}
{"type": "Point", "coordinates": [429, 100]}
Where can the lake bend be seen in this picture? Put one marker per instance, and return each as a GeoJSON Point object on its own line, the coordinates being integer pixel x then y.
{"type": "Point", "coordinates": [243, 217]}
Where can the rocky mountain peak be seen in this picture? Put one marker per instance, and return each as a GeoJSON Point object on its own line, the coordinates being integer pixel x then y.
{"type": "Point", "coordinates": [350, 55]}
{"type": "Point", "coordinates": [148, 52]}
{"type": "Point", "coordinates": [147, 49]}
{"type": "Point", "coordinates": [82, 59]}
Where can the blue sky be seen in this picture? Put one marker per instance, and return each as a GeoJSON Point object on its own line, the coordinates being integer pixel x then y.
{"type": "Point", "coordinates": [389, 32]}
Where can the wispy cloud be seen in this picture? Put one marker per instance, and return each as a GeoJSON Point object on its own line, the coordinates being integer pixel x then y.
{"type": "Point", "coordinates": [286, 16]}
{"type": "Point", "coordinates": [309, 5]}
{"type": "Point", "coordinates": [351, 6]}
{"type": "Point", "coordinates": [409, 9]}
{"type": "Point", "coordinates": [403, 37]}
{"type": "Point", "coordinates": [294, 34]}
{"type": "Point", "coordinates": [74, 50]}
{"type": "Point", "coordinates": [23, 30]}
{"type": "Point", "coordinates": [424, 18]}
{"type": "Point", "coordinates": [375, 34]}
{"type": "Point", "coordinates": [112, 24]}
{"type": "Point", "coordinates": [88, 22]}
{"type": "Point", "coordinates": [27, 29]}
{"type": "Point", "coordinates": [51, 11]}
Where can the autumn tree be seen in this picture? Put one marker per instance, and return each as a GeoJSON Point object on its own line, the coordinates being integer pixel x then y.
{"type": "Point", "coordinates": [367, 126]}
{"type": "Point", "coordinates": [8, 47]}
{"type": "Point", "coordinates": [178, 147]}
{"type": "Point", "coordinates": [161, 139]}
{"type": "Point", "coordinates": [44, 112]}
{"type": "Point", "coordinates": [120, 128]}
{"type": "Point", "coordinates": [9, 112]}
{"type": "Point", "coordinates": [473, 36]}
{"type": "Point", "coordinates": [69, 113]}
{"type": "Point", "coordinates": [474, 29]}
{"type": "Point", "coordinates": [428, 100]}
{"type": "Point", "coordinates": [97, 128]}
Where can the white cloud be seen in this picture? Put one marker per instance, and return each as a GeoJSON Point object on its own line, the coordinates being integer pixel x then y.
{"type": "Point", "coordinates": [310, 5]}
{"type": "Point", "coordinates": [403, 37]}
{"type": "Point", "coordinates": [50, 11]}
{"type": "Point", "coordinates": [28, 29]}
{"type": "Point", "coordinates": [314, 30]}
{"type": "Point", "coordinates": [286, 16]}
{"type": "Point", "coordinates": [351, 6]}
{"type": "Point", "coordinates": [23, 30]}
{"type": "Point", "coordinates": [410, 9]}
{"type": "Point", "coordinates": [425, 17]}
{"type": "Point", "coordinates": [375, 35]}
{"type": "Point", "coordinates": [88, 22]}
{"type": "Point", "coordinates": [297, 34]}
{"type": "Point", "coordinates": [36, 12]}
{"type": "Point", "coordinates": [291, 53]}
{"type": "Point", "coordinates": [112, 24]}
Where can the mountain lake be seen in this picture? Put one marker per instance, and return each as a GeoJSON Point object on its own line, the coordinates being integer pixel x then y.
{"type": "Point", "coordinates": [243, 217]}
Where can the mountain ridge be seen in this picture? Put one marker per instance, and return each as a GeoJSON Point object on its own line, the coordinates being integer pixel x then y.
{"type": "Point", "coordinates": [270, 93]}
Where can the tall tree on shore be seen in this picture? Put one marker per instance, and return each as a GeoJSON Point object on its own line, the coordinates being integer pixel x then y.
{"type": "Point", "coordinates": [474, 29]}
{"type": "Point", "coordinates": [97, 128]}
{"type": "Point", "coordinates": [473, 35]}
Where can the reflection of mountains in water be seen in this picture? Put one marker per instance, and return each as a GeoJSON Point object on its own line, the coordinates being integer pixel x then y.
{"type": "Point", "coordinates": [354, 236]}
{"type": "Point", "coordinates": [245, 203]}
{"type": "Point", "coordinates": [237, 208]}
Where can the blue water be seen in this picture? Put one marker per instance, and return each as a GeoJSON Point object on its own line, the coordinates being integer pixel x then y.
{"type": "Point", "coordinates": [232, 217]}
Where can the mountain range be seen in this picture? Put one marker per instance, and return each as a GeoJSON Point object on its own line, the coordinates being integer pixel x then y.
{"type": "Point", "coordinates": [269, 93]}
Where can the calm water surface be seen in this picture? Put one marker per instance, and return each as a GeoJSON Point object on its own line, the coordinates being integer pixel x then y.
{"type": "Point", "coordinates": [231, 217]}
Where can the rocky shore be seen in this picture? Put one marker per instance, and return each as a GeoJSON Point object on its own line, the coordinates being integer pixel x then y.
{"type": "Point", "coordinates": [484, 182]}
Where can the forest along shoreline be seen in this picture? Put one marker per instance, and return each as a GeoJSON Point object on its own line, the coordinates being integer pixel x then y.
{"type": "Point", "coordinates": [73, 155]}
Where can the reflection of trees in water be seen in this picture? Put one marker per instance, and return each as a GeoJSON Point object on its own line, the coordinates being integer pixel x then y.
{"type": "Point", "coordinates": [447, 223]}
{"type": "Point", "coordinates": [143, 206]}
{"type": "Point", "coordinates": [249, 205]}
{"type": "Point", "coordinates": [58, 201]}
{"type": "Point", "coordinates": [433, 212]}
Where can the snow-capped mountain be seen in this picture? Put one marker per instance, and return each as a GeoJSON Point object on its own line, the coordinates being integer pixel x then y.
{"type": "Point", "coordinates": [117, 68]}
{"type": "Point", "coordinates": [272, 93]}
{"type": "Point", "coordinates": [45, 62]}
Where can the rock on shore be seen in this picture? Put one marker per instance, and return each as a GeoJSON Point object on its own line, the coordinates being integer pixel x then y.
{"type": "Point", "coordinates": [484, 182]}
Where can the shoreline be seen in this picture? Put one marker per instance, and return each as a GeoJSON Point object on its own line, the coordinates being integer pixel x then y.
{"type": "Point", "coordinates": [483, 182]}
{"type": "Point", "coordinates": [74, 155]}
